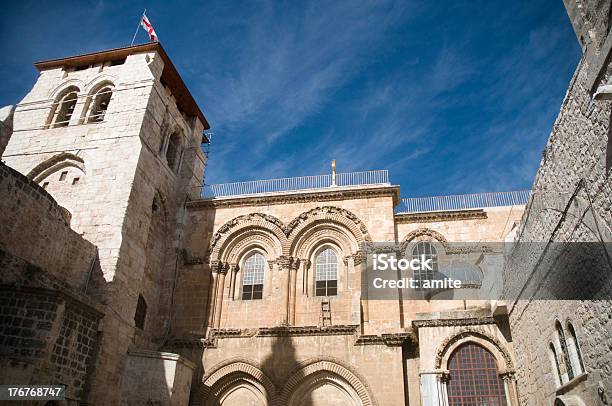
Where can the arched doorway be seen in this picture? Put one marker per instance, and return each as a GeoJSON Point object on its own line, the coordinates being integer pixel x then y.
{"type": "Point", "coordinates": [474, 378]}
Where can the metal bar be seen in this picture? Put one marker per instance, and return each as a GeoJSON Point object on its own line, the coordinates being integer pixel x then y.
{"type": "Point", "coordinates": [462, 202]}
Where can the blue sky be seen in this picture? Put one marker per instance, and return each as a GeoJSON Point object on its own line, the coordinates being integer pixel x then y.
{"type": "Point", "coordinates": [451, 97]}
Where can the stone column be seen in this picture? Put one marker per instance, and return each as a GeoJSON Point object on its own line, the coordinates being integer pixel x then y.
{"type": "Point", "coordinates": [509, 380]}
{"type": "Point", "coordinates": [292, 289]}
{"type": "Point", "coordinates": [360, 265]}
{"type": "Point", "coordinates": [285, 266]}
{"type": "Point", "coordinates": [221, 271]}
{"type": "Point", "coordinates": [212, 290]}
{"type": "Point", "coordinates": [433, 388]}
{"type": "Point", "coordinates": [233, 270]}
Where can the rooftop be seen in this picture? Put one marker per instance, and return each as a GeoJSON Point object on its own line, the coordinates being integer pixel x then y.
{"type": "Point", "coordinates": [355, 180]}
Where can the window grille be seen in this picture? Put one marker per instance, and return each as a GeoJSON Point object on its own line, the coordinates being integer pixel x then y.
{"type": "Point", "coordinates": [474, 378]}
{"type": "Point", "coordinates": [326, 273]}
{"type": "Point", "coordinates": [253, 278]}
{"type": "Point", "coordinates": [427, 250]}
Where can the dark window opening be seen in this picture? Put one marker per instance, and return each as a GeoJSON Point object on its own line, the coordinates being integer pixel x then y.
{"type": "Point", "coordinates": [75, 181]}
{"type": "Point", "coordinates": [553, 354]}
{"type": "Point", "coordinates": [252, 292]}
{"type": "Point", "coordinates": [66, 108]}
{"type": "Point", "coordinates": [63, 176]}
{"type": "Point", "coordinates": [326, 288]}
{"type": "Point", "coordinates": [45, 185]}
{"type": "Point", "coordinates": [141, 313]}
{"type": "Point", "coordinates": [575, 340]}
{"type": "Point", "coordinates": [173, 151]}
{"type": "Point", "coordinates": [100, 105]}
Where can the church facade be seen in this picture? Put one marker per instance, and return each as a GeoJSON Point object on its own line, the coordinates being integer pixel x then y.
{"type": "Point", "coordinates": [125, 281]}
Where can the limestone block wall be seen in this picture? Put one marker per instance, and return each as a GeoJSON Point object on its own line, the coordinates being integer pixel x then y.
{"type": "Point", "coordinates": [194, 295]}
{"type": "Point", "coordinates": [157, 378]}
{"type": "Point", "coordinates": [570, 203]}
{"type": "Point", "coordinates": [285, 367]}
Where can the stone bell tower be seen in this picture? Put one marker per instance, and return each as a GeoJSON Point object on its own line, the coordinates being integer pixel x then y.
{"type": "Point", "coordinates": [114, 137]}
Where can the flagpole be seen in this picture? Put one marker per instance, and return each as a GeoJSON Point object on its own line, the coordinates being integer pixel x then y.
{"type": "Point", "coordinates": [136, 32]}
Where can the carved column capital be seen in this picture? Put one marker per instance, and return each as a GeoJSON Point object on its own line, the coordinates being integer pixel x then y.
{"type": "Point", "coordinates": [508, 376]}
{"type": "Point", "coordinates": [287, 262]}
{"type": "Point", "coordinates": [234, 268]}
{"type": "Point", "coordinates": [359, 257]}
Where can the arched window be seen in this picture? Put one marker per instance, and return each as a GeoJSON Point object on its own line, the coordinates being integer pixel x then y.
{"type": "Point", "coordinates": [555, 364]}
{"type": "Point", "coordinates": [253, 278]}
{"type": "Point", "coordinates": [564, 350]}
{"type": "Point", "coordinates": [326, 277]}
{"type": "Point", "coordinates": [64, 108]}
{"type": "Point", "coordinates": [141, 313]}
{"type": "Point", "coordinates": [101, 99]}
{"type": "Point", "coordinates": [425, 250]}
{"type": "Point", "coordinates": [574, 350]}
{"type": "Point", "coordinates": [173, 151]}
{"type": "Point", "coordinates": [474, 378]}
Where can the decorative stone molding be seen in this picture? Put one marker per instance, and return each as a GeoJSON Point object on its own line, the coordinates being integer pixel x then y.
{"type": "Point", "coordinates": [359, 257]}
{"type": "Point", "coordinates": [464, 335]}
{"type": "Point", "coordinates": [287, 262]}
{"type": "Point", "coordinates": [287, 331]}
{"type": "Point", "coordinates": [390, 340]}
{"type": "Point", "coordinates": [426, 232]}
{"type": "Point", "coordinates": [252, 219]}
{"type": "Point", "coordinates": [439, 216]}
{"type": "Point", "coordinates": [331, 366]}
{"type": "Point", "coordinates": [472, 321]}
{"type": "Point", "coordinates": [54, 163]}
{"type": "Point", "coordinates": [227, 374]}
{"type": "Point", "coordinates": [300, 197]}
{"type": "Point", "coordinates": [330, 213]}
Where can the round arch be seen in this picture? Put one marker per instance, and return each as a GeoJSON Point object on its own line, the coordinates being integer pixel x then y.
{"type": "Point", "coordinates": [55, 163]}
{"type": "Point", "coordinates": [491, 344]}
{"type": "Point", "coordinates": [222, 239]}
{"type": "Point", "coordinates": [327, 215]}
{"type": "Point", "coordinates": [328, 370]}
{"type": "Point", "coordinates": [231, 375]}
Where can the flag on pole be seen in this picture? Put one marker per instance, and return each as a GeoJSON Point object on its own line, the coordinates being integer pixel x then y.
{"type": "Point", "coordinates": [146, 24]}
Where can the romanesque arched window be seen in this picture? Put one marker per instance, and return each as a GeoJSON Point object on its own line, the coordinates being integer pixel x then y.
{"type": "Point", "coordinates": [425, 250]}
{"type": "Point", "coordinates": [63, 108]}
{"type": "Point", "coordinates": [556, 371]}
{"type": "Point", "coordinates": [326, 276]}
{"type": "Point", "coordinates": [253, 276]}
{"type": "Point", "coordinates": [99, 104]}
{"type": "Point", "coordinates": [564, 350]}
{"type": "Point", "coordinates": [173, 151]}
{"type": "Point", "coordinates": [574, 350]}
{"type": "Point", "coordinates": [474, 378]}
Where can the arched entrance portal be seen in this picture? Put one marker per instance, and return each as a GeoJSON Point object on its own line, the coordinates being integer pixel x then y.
{"type": "Point", "coordinates": [324, 388]}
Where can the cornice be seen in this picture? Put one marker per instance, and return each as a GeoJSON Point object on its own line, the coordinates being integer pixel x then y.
{"type": "Point", "coordinates": [472, 321]}
{"type": "Point", "coordinates": [285, 331]}
{"type": "Point", "coordinates": [303, 196]}
{"type": "Point", "coordinates": [438, 216]}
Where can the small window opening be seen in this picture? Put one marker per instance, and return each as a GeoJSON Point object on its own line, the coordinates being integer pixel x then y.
{"type": "Point", "coordinates": [63, 176]}
{"type": "Point", "coordinates": [253, 278]}
{"type": "Point", "coordinates": [66, 108]}
{"type": "Point", "coordinates": [100, 105]}
{"type": "Point", "coordinates": [75, 181]}
{"type": "Point", "coordinates": [141, 313]}
{"type": "Point", "coordinates": [45, 185]}
{"type": "Point", "coordinates": [173, 151]}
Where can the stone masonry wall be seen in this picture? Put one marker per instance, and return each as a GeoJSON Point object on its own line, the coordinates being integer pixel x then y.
{"type": "Point", "coordinates": [570, 203]}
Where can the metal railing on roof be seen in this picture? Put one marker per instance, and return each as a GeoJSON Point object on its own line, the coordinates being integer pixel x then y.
{"type": "Point", "coordinates": [462, 202]}
{"type": "Point", "coordinates": [377, 177]}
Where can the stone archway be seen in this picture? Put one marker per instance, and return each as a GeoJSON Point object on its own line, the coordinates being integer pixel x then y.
{"type": "Point", "coordinates": [318, 380]}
